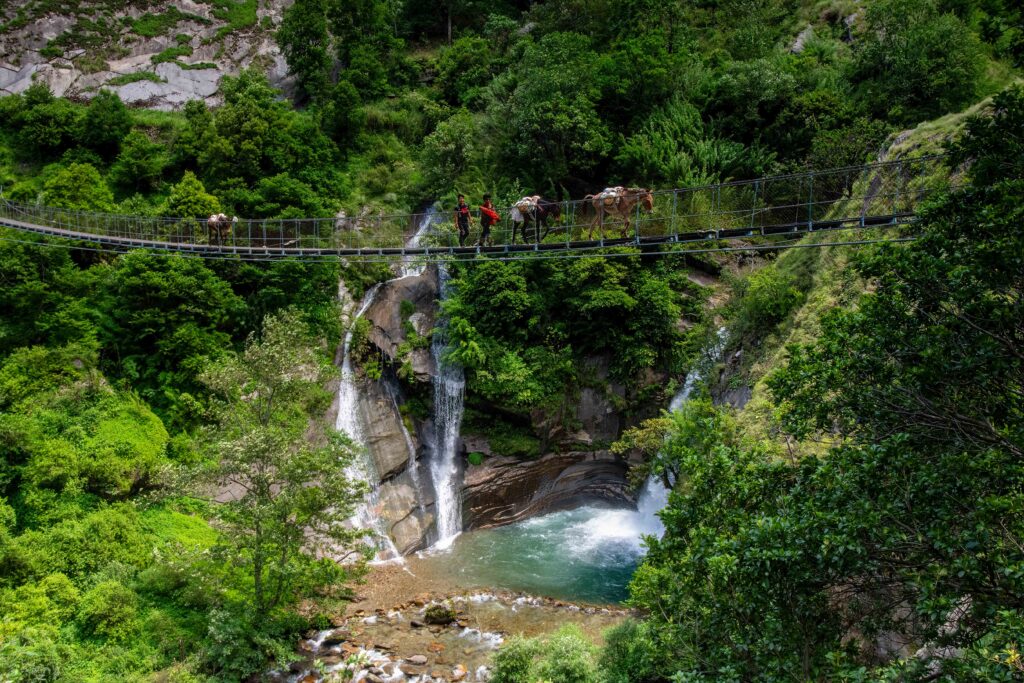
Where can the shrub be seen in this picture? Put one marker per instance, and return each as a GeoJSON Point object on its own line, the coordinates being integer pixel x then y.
{"type": "Point", "coordinates": [189, 199]}
{"type": "Point", "coordinates": [629, 654]}
{"type": "Point", "coordinates": [915, 62]}
{"type": "Point", "coordinates": [135, 77]}
{"type": "Point", "coordinates": [764, 300]}
{"type": "Point", "coordinates": [109, 610]}
{"type": "Point", "coordinates": [172, 53]}
{"type": "Point", "coordinates": [31, 656]}
{"type": "Point", "coordinates": [104, 124]}
{"type": "Point", "coordinates": [513, 663]}
{"type": "Point", "coordinates": [476, 458]}
{"type": "Point", "coordinates": [566, 657]}
{"type": "Point", "coordinates": [79, 187]}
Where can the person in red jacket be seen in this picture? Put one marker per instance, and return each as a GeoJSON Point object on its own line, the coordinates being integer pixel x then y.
{"type": "Point", "coordinates": [488, 217]}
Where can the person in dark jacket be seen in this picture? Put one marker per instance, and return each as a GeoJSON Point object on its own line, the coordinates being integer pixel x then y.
{"type": "Point", "coordinates": [462, 218]}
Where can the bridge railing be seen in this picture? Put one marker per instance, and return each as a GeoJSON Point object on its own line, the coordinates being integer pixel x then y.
{"type": "Point", "coordinates": [865, 195]}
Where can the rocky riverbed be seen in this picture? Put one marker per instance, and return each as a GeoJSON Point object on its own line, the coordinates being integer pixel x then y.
{"type": "Point", "coordinates": [398, 629]}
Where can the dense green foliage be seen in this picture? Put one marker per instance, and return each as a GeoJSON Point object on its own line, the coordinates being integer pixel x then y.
{"type": "Point", "coordinates": [530, 335]}
{"type": "Point", "coordinates": [911, 523]}
{"type": "Point", "coordinates": [118, 371]}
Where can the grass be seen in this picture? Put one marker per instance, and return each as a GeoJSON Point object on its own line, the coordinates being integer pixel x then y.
{"type": "Point", "coordinates": [171, 54]}
{"type": "Point", "coordinates": [153, 25]}
{"type": "Point", "coordinates": [135, 77]}
{"type": "Point", "coordinates": [237, 15]}
{"type": "Point", "coordinates": [171, 526]}
{"type": "Point", "coordinates": [195, 67]}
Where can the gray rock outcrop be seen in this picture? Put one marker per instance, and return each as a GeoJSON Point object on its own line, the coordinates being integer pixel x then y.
{"type": "Point", "coordinates": [138, 67]}
{"type": "Point", "coordinates": [389, 323]}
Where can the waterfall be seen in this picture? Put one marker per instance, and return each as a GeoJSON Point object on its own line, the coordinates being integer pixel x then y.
{"type": "Point", "coordinates": [654, 495]}
{"type": "Point", "coordinates": [348, 421]}
{"type": "Point", "coordinates": [410, 266]}
{"type": "Point", "coordinates": [449, 390]}
{"type": "Point", "coordinates": [711, 354]}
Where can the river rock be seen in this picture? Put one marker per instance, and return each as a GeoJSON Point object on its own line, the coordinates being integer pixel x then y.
{"type": "Point", "coordinates": [336, 637]}
{"type": "Point", "coordinates": [505, 490]}
{"type": "Point", "coordinates": [417, 660]}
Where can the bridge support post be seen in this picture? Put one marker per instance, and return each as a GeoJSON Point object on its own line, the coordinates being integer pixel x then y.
{"type": "Point", "coordinates": [636, 225]}
{"type": "Point", "coordinates": [810, 202]}
{"type": "Point", "coordinates": [753, 205]}
{"type": "Point", "coordinates": [672, 219]}
{"type": "Point", "coordinates": [569, 222]}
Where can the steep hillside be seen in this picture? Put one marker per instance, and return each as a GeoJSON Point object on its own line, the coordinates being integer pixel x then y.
{"type": "Point", "coordinates": [151, 53]}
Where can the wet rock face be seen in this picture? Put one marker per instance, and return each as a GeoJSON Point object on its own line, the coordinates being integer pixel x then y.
{"type": "Point", "coordinates": [391, 323]}
{"type": "Point", "coordinates": [505, 490]}
{"type": "Point", "coordinates": [409, 510]}
{"type": "Point", "coordinates": [383, 430]}
{"type": "Point", "coordinates": [595, 410]}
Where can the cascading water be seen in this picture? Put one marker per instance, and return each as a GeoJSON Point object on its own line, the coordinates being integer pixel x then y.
{"type": "Point", "coordinates": [410, 266]}
{"type": "Point", "coordinates": [588, 553]}
{"type": "Point", "coordinates": [654, 495]}
{"type": "Point", "coordinates": [349, 422]}
{"type": "Point", "coordinates": [449, 390]}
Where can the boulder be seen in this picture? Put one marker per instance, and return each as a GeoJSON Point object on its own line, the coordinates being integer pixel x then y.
{"type": "Point", "coordinates": [408, 510]}
{"type": "Point", "coordinates": [439, 615]}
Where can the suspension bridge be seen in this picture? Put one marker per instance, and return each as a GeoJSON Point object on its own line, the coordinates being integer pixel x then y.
{"type": "Point", "coordinates": [884, 194]}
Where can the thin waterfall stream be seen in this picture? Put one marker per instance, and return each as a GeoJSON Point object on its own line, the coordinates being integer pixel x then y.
{"type": "Point", "coordinates": [349, 421]}
{"type": "Point", "coordinates": [445, 470]}
{"type": "Point", "coordinates": [412, 266]}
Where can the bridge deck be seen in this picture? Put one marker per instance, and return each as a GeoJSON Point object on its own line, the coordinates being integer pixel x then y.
{"type": "Point", "coordinates": [782, 206]}
{"type": "Point", "coordinates": [120, 243]}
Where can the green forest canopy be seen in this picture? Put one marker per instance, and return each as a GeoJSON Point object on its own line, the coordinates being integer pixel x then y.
{"type": "Point", "coordinates": [105, 361]}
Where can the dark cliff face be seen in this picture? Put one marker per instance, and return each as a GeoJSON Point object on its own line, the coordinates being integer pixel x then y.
{"type": "Point", "coordinates": [505, 490]}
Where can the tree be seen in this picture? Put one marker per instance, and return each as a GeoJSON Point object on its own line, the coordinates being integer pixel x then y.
{"type": "Point", "coordinates": [140, 163]}
{"type": "Point", "coordinates": [343, 116]}
{"type": "Point", "coordinates": [292, 495]}
{"type": "Point", "coordinates": [79, 187]}
{"type": "Point", "coordinates": [105, 124]}
{"type": "Point", "coordinates": [46, 125]}
{"type": "Point", "coordinates": [363, 32]}
{"type": "Point", "coordinates": [911, 524]}
{"type": "Point", "coordinates": [305, 42]}
{"type": "Point", "coordinates": [464, 70]}
{"type": "Point", "coordinates": [189, 199]}
{"type": "Point", "coordinates": [914, 62]}
{"type": "Point", "coordinates": [549, 125]}
{"type": "Point", "coordinates": [163, 319]}
{"type": "Point", "coordinates": [449, 153]}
